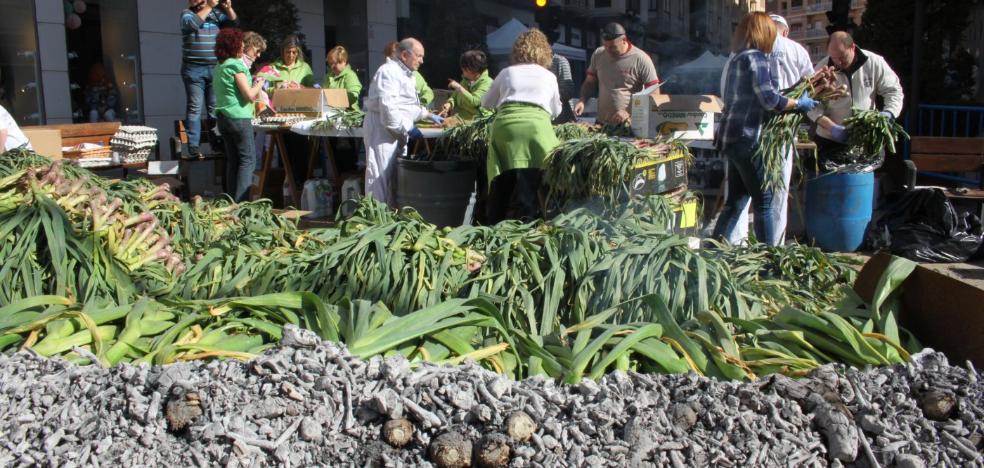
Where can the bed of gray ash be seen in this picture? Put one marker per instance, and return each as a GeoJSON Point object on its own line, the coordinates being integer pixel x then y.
{"type": "Point", "coordinates": [310, 403]}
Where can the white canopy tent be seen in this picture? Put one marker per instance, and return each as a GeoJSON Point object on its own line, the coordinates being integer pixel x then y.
{"type": "Point", "coordinates": [699, 76]}
{"type": "Point", "coordinates": [707, 62]}
{"type": "Point", "coordinates": [501, 40]}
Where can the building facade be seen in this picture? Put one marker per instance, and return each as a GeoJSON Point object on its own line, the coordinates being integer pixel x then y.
{"type": "Point", "coordinates": [52, 50]}
{"type": "Point", "coordinates": [808, 21]}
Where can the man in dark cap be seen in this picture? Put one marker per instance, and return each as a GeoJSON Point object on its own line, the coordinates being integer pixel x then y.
{"type": "Point", "coordinates": [618, 69]}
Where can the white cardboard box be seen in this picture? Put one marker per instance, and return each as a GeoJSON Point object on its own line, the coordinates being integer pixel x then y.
{"type": "Point", "coordinates": [689, 117]}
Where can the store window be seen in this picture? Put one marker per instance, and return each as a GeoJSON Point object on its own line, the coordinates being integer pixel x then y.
{"type": "Point", "coordinates": [104, 61]}
{"type": "Point", "coordinates": [20, 70]}
{"type": "Point", "coordinates": [603, 3]}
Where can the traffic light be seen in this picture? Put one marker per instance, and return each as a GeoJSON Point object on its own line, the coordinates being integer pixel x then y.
{"type": "Point", "coordinates": [541, 11]}
{"type": "Point", "coordinates": [547, 17]}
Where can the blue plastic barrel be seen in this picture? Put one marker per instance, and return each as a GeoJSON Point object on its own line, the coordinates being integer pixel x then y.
{"type": "Point", "coordinates": [838, 210]}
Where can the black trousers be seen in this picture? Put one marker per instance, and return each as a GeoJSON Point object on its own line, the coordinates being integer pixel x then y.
{"type": "Point", "coordinates": [514, 194]}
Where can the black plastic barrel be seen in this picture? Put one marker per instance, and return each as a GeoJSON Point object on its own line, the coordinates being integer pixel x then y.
{"type": "Point", "coordinates": [439, 190]}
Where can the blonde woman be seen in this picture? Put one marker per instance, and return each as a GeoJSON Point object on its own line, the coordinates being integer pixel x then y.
{"type": "Point", "coordinates": [341, 76]}
{"type": "Point", "coordinates": [750, 97]}
{"type": "Point", "coordinates": [253, 47]}
{"type": "Point", "coordinates": [527, 99]}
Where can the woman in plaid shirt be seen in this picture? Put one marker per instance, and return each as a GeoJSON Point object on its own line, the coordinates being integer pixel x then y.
{"type": "Point", "coordinates": [750, 97]}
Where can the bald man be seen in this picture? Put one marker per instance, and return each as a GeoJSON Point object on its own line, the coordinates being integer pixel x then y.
{"type": "Point", "coordinates": [392, 108]}
{"type": "Point", "coordinates": [867, 76]}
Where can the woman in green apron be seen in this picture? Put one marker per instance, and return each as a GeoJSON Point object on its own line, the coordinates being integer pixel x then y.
{"type": "Point", "coordinates": [528, 99]}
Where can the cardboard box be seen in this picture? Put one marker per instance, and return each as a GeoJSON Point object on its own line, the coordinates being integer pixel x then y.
{"type": "Point", "coordinates": [316, 103]}
{"type": "Point", "coordinates": [45, 141]}
{"type": "Point", "coordinates": [681, 116]}
{"type": "Point", "coordinates": [659, 174]}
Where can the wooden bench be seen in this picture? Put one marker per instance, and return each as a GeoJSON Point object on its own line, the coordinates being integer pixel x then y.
{"type": "Point", "coordinates": [74, 134]}
{"type": "Point", "coordinates": [952, 156]}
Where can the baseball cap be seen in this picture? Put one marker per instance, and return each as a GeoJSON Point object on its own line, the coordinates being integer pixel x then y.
{"type": "Point", "coordinates": [780, 20]}
{"type": "Point", "coordinates": [612, 31]}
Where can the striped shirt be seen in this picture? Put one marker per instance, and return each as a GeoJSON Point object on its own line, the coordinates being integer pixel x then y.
{"type": "Point", "coordinates": [750, 96]}
{"type": "Point", "coordinates": [199, 35]}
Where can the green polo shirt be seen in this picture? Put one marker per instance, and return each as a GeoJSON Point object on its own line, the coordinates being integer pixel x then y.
{"type": "Point", "coordinates": [469, 101]}
{"type": "Point", "coordinates": [228, 100]}
{"type": "Point", "coordinates": [346, 80]}
{"type": "Point", "coordinates": [299, 72]}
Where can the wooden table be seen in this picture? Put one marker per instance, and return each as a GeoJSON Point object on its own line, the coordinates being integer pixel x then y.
{"type": "Point", "coordinates": [126, 168]}
{"type": "Point", "coordinates": [319, 135]}
{"type": "Point", "coordinates": [277, 140]}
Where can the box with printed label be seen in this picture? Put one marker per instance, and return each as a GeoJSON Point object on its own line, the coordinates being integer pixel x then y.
{"type": "Point", "coordinates": [689, 117]}
{"type": "Point", "coordinates": [659, 174]}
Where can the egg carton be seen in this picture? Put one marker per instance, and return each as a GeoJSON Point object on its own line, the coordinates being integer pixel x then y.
{"type": "Point", "coordinates": [282, 119]}
{"type": "Point", "coordinates": [137, 130]}
{"type": "Point", "coordinates": [135, 157]}
{"type": "Point", "coordinates": [128, 146]}
{"type": "Point", "coordinates": [127, 140]}
{"type": "Point", "coordinates": [94, 162]}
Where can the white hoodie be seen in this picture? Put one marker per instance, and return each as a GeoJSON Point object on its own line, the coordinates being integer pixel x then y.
{"type": "Point", "coordinates": [873, 78]}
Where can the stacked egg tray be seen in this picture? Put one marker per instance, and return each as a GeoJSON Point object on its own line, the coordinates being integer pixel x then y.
{"type": "Point", "coordinates": [281, 120]}
{"type": "Point", "coordinates": [134, 143]}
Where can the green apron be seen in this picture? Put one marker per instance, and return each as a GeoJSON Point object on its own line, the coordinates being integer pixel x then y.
{"type": "Point", "coordinates": [521, 137]}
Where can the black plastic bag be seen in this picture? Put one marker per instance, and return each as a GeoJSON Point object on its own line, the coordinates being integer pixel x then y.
{"type": "Point", "coordinates": [923, 226]}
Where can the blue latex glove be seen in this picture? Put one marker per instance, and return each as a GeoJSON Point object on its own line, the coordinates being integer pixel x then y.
{"type": "Point", "coordinates": [436, 119]}
{"type": "Point", "coordinates": [887, 114]}
{"type": "Point", "coordinates": [806, 103]}
{"type": "Point", "coordinates": [838, 133]}
{"type": "Point", "coordinates": [415, 133]}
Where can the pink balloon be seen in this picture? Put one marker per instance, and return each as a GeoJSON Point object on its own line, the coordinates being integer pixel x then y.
{"type": "Point", "coordinates": [73, 21]}
{"type": "Point", "coordinates": [79, 6]}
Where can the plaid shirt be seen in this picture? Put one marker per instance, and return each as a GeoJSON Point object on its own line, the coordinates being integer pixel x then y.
{"type": "Point", "coordinates": [749, 96]}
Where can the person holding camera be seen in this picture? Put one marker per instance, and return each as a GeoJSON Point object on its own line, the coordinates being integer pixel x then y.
{"type": "Point", "coordinates": [200, 25]}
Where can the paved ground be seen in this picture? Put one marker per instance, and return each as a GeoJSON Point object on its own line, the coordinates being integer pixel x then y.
{"type": "Point", "coordinates": [970, 273]}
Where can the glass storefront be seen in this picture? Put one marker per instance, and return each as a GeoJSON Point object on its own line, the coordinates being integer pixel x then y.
{"type": "Point", "coordinates": [104, 62]}
{"type": "Point", "coordinates": [20, 71]}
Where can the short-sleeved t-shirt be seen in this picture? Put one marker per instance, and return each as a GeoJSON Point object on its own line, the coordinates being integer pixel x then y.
{"type": "Point", "coordinates": [619, 77]}
{"type": "Point", "coordinates": [228, 101]}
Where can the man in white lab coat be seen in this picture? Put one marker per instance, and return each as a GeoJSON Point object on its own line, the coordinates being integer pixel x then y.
{"type": "Point", "coordinates": [11, 136]}
{"type": "Point", "coordinates": [788, 63]}
{"type": "Point", "coordinates": [392, 108]}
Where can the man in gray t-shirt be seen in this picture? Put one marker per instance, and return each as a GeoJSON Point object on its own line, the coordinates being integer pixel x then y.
{"type": "Point", "coordinates": [618, 69]}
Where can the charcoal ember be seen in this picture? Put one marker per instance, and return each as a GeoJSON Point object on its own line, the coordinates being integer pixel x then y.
{"type": "Point", "coordinates": [684, 416]}
{"type": "Point", "coordinates": [908, 461]}
{"type": "Point", "coordinates": [268, 412]}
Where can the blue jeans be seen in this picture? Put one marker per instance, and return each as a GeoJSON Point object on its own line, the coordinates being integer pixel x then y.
{"type": "Point", "coordinates": [240, 152]}
{"type": "Point", "coordinates": [198, 87]}
{"type": "Point", "coordinates": [745, 181]}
